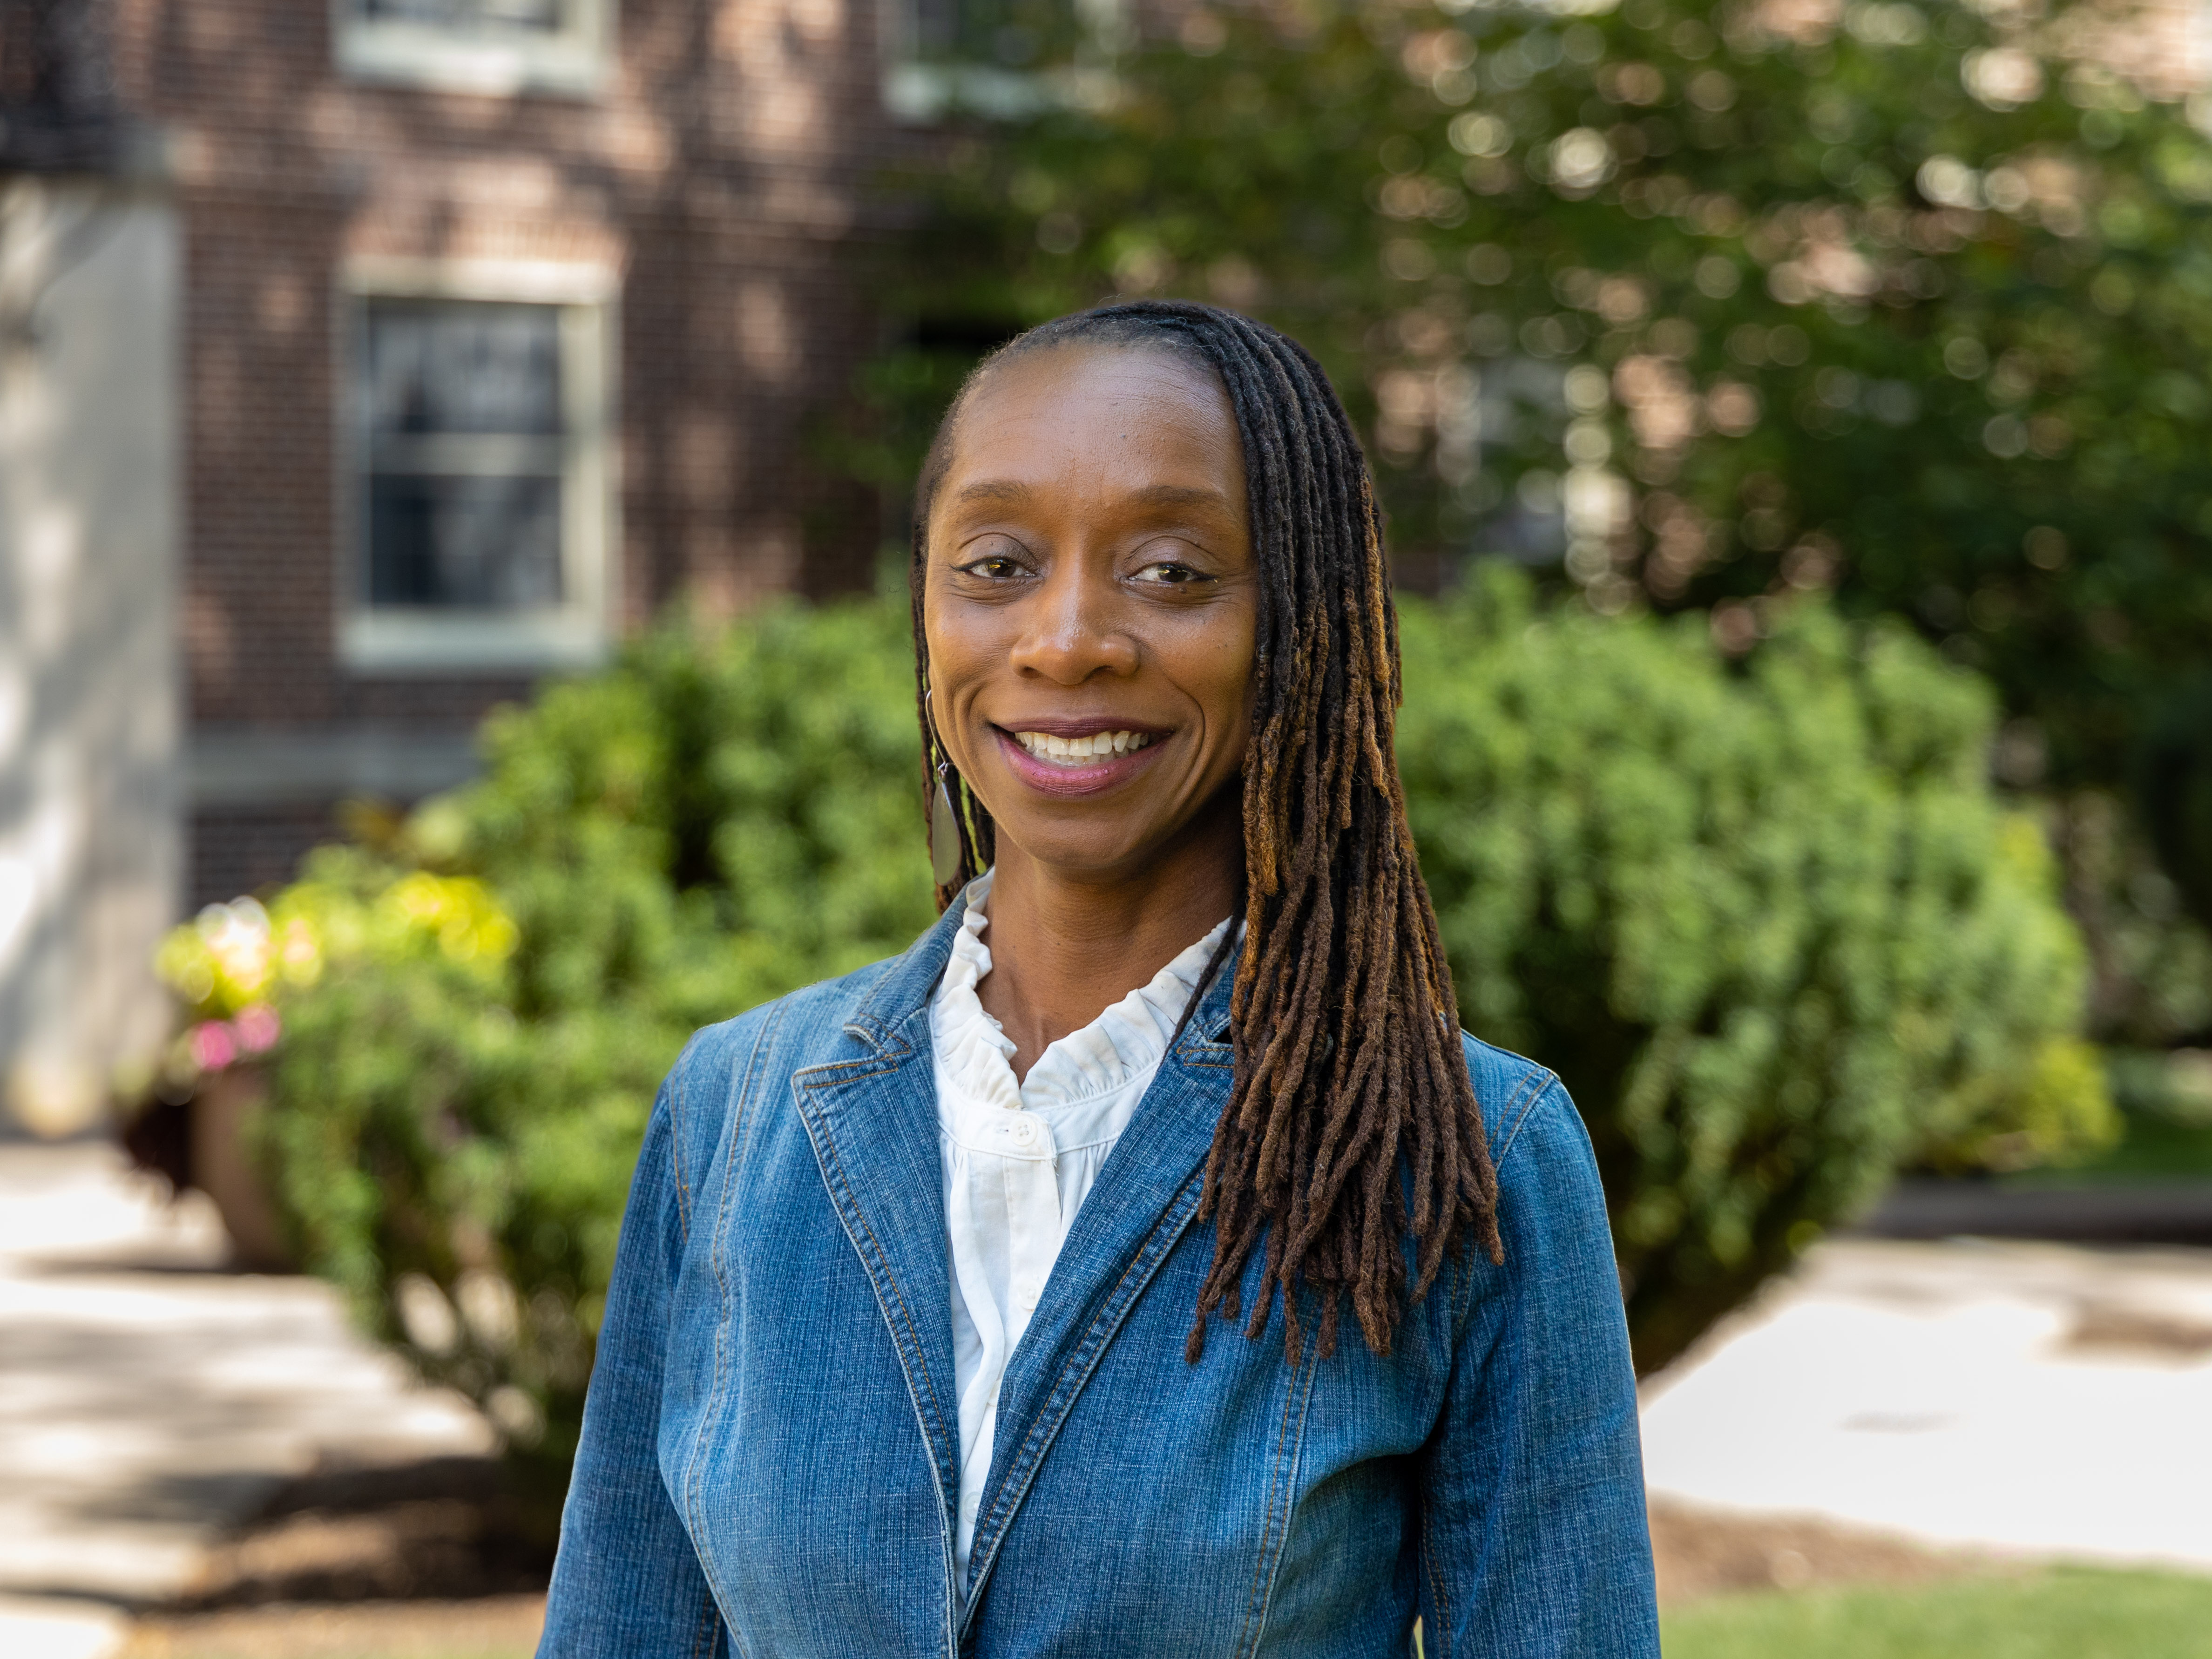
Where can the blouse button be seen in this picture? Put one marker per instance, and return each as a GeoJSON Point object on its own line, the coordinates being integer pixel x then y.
{"type": "Point", "coordinates": [1025, 1132]}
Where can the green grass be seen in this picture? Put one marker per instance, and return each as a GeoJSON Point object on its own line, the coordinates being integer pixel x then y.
{"type": "Point", "coordinates": [2150, 1147]}
{"type": "Point", "coordinates": [2065, 1613]}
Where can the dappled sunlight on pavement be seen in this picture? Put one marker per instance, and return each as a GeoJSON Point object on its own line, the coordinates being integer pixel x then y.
{"type": "Point", "coordinates": [149, 1399]}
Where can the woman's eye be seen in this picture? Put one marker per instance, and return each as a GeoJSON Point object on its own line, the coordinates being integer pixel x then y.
{"type": "Point", "coordinates": [1169, 573]}
{"type": "Point", "coordinates": [994, 564]}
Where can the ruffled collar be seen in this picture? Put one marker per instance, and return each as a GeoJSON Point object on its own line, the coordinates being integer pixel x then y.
{"type": "Point", "coordinates": [1125, 1041]}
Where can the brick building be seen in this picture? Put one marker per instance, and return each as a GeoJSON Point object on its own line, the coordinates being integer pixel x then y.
{"type": "Point", "coordinates": [463, 335]}
{"type": "Point", "coordinates": [503, 322]}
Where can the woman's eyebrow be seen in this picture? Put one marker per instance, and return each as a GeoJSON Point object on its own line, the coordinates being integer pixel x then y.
{"type": "Point", "coordinates": [1008, 492]}
{"type": "Point", "coordinates": [1180, 496]}
{"type": "Point", "coordinates": [992, 491]}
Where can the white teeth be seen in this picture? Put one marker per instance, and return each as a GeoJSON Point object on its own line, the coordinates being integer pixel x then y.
{"type": "Point", "coordinates": [1073, 751]}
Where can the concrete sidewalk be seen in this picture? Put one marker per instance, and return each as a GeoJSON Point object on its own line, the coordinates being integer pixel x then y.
{"type": "Point", "coordinates": [2044, 1398]}
{"type": "Point", "coordinates": [149, 1399]}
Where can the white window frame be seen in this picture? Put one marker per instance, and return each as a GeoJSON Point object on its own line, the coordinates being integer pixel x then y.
{"type": "Point", "coordinates": [575, 61]}
{"type": "Point", "coordinates": [423, 639]}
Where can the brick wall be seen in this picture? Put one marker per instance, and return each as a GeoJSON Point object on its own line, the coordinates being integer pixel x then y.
{"type": "Point", "coordinates": [723, 171]}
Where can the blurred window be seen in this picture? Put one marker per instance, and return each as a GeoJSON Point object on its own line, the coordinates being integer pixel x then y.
{"type": "Point", "coordinates": [480, 480]}
{"type": "Point", "coordinates": [470, 16]}
{"type": "Point", "coordinates": [477, 46]}
{"type": "Point", "coordinates": [1010, 35]}
{"type": "Point", "coordinates": [1005, 58]}
{"type": "Point", "coordinates": [466, 454]}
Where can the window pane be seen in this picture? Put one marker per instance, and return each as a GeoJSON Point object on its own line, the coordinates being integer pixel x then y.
{"type": "Point", "coordinates": [470, 16]}
{"type": "Point", "coordinates": [480, 543]}
{"type": "Point", "coordinates": [1014, 34]}
{"type": "Point", "coordinates": [449, 367]}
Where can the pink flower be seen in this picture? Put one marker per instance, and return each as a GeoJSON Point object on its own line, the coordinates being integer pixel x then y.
{"type": "Point", "coordinates": [258, 1028]}
{"type": "Point", "coordinates": [214, 1045]}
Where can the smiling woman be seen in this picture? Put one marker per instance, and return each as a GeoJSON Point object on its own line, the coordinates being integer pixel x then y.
{"type": "Point", "coordinates": [992, 1193]}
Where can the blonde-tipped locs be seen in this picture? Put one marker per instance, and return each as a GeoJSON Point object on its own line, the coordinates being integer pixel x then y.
{"type": "Point", "coordinates": [1352, 1139]}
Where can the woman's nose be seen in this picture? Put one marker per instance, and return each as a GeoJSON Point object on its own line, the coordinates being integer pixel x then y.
{"type": "Point", "coordinates": [1074, 631]}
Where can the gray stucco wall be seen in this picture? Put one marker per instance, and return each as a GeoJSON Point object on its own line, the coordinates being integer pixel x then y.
{"type": "Point", "coordinates": [90, 829]}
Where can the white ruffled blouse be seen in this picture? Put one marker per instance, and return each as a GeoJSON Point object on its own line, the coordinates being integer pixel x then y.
{"type": "Point", "coordinates": [1019, 1158]}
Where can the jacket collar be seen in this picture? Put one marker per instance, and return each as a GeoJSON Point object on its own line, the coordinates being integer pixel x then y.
{"type": "Point", "coordinates": [901, 991]}
{"type": "Point", "coordinates": [873, 1123]}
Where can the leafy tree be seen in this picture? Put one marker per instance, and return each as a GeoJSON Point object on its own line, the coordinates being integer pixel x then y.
{"type": "Point", "coordinates": [1707, 301]}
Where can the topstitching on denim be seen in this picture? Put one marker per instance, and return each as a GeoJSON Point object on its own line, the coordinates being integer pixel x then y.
{"type": "Point", "coordinates": [890, 1295]}
{"type": "Point", "coordinates": [735, 1124]}
{"type": "Point", "coordinates": [1282, 1484]}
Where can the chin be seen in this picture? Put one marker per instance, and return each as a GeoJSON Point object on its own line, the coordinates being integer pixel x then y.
{"type": "Point", "coordinates": [1099, 852]}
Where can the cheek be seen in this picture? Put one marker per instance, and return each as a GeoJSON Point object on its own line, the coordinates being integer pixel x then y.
{"type": "Point", "coordinates": [961, 658]}
{"type": "Point", "coordinates": [940, 651]}
{"type": "Point", "coordinates": [1227, 687]}
{"type": "Point", "coordinates": [952, 650]}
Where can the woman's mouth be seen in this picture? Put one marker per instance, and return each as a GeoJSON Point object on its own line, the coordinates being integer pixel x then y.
{"type": "Point", "coordinates": [1080, 763]}
{"type": "Point", "coordinates": [1080, 751]}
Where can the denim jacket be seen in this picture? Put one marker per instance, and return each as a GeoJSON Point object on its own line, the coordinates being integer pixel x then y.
{"type": "Point", "coordinates": [769, 1461]}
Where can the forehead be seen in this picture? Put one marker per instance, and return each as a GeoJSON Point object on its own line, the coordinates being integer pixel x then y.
{"type": "Point", "coordinates": [1081, 411]}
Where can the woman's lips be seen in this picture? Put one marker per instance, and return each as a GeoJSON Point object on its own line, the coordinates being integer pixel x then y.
{"type": "Point", "coordinates": [1076, 776]}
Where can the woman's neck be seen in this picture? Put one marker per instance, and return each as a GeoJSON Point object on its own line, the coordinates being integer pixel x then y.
{"type": "Point", "coordinates": [1065, 947]}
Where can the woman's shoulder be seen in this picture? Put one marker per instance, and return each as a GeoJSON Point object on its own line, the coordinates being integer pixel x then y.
{"type": "Point", "coordinates": [869, 1011]}
{"type": "Point", "coordinates": [751, 1056]}
{"type": "Point", "coordinates": [1550, 1203]}
{"type": "Point", "coordinates": [814, 1020]}
{"type": "Point", "coordinates": [1527, 1119]}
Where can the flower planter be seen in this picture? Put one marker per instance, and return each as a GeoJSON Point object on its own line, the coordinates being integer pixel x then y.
{"type": "Point", "coordinates": [222, 1167]}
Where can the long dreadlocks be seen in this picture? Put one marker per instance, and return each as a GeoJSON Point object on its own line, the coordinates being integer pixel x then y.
{"type": "Point", "coordinates": [1351, 1124]}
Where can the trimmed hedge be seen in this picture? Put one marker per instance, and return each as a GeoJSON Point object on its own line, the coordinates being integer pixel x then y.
{"type": "Point", "coordinates": [1766, 919]}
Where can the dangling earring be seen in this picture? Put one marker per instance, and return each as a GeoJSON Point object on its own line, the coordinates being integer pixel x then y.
{"type": "Point", "coordinates": [946, 856]}
{"type": "Point", "coordinates": [944, 832]}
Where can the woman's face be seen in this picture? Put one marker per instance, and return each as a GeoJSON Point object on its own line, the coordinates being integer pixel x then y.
{"type": "Point", "coordinates": [1089, 604]}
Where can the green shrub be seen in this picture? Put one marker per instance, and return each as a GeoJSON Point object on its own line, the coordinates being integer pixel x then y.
{"type": "Point", "coordinates": [1767, 922]}
{"type": "Point", "coordinates": [1766, 919]}
{"type": "Point", "coordinates": [713, 823]}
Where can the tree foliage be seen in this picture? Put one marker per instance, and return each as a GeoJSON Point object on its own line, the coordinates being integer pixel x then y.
{"type": "Point", "coordinates": [1706, 302]}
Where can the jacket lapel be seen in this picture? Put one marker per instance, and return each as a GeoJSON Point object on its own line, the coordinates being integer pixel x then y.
{"type": "Point", "coordinates": [1138, 1210]}
{"type": "Point", "coordinates": [873, 1122]}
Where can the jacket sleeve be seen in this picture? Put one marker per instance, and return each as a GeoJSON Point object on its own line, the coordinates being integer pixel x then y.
{"type": "Point", "coordinates": [1534, 1542]}
{"type": "Point", "coordinates": [626, 1583]}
